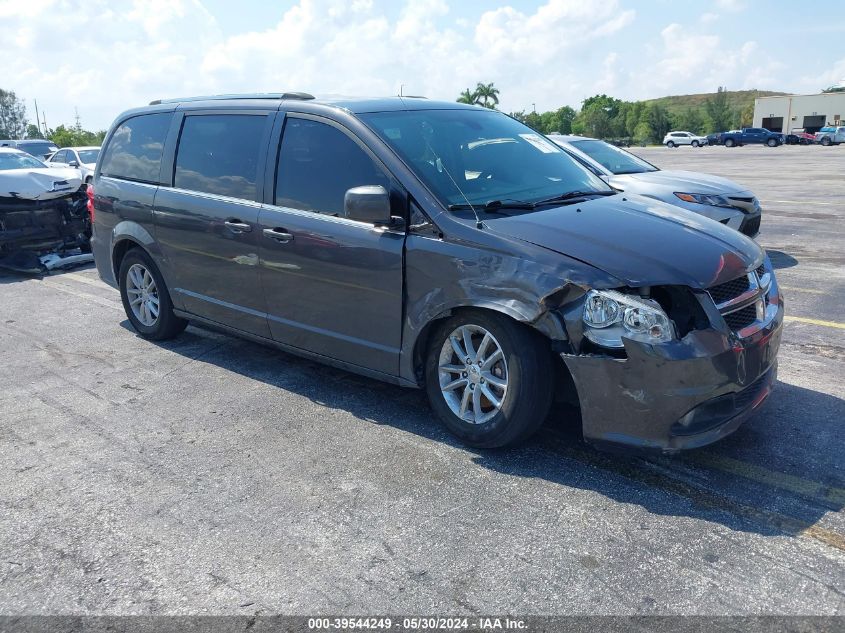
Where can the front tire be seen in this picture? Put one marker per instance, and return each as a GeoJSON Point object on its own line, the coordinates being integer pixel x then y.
{"type": "Point", "coordinates": [670, 144]}
{"type": "Point", "coordinates": [488, 378]}
{"type": "Point", "coordinates": [695, 143]}
{"type": "Point", "coordinates": [146, 299]}
{"type": "Point", "coordinates": [826, 141]}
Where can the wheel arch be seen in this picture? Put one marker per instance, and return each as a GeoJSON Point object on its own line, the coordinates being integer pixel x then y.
{"type": "Point", "coordinates": [129, 234]}
{"type": "Point", "coordinates": [547, 325]}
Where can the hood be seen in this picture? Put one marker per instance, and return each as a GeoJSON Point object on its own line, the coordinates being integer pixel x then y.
{"type": "Point", "coordinates": [39, 184]}
{"type": "Point", "coordinates": [638, 240]}
{"type": "Point", "coordinates": [681, 181]}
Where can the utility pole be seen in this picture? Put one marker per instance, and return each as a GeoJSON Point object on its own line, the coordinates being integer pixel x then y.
{"type": "Point", "coordinates": [534, 106]}
{"type": "Point", "coordinates": [37, 119]}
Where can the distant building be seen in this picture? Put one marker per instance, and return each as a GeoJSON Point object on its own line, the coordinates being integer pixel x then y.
{"type": "Point", "coordinates": [811, 112]}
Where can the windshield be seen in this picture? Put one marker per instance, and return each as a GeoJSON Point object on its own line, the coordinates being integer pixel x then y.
{"type": "Point", "coordinates": [39, 148]}
{"type": "Point", "coordinates": [615, 160]}
{"type": "Point", "coordinates": [88, 155]}
{"type": "Point", "coordinates": [481, 157]}
{"type": "Point", "coordinates": [13, 160]}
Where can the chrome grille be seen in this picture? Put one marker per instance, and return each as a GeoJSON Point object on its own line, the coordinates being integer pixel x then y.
{"type": "Point", "coordinates": [742, 318]}
{"type": "Point", "coordinates": [730, 289]}
{"type": "Point", "coordinates": [742, 301]}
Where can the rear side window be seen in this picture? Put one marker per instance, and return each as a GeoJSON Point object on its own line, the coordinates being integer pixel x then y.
{"type": "Point", "coordinates": [317, 164]}
{"type": "Point", "coordinates": [134, 151]}
{"type": "Point", "coordinates": [219, 154]}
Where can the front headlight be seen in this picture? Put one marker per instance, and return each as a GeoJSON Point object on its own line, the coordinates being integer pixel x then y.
{"type": "Point", "coordinates": [609, 315]}
{"type": "Point", "coordinates": [712, 200]}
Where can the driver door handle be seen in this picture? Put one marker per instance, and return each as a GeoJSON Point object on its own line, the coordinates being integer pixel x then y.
{"type": "Point", "coordinates": [278, 234]}
{"type": "Point", "coordinates": [237, 226]}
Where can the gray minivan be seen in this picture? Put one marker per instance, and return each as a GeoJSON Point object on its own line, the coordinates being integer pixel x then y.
{"type": "Point", "coordinates": [442, 246]}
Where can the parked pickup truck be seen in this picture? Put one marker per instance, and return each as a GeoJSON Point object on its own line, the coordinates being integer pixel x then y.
{"type": "Point", "coordinates": [749, 135]}
{"type": "Point", "coordinates": [831, 135]}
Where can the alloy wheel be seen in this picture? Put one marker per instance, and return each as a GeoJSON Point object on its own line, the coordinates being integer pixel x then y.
{"type": "Point", "coordinates": [473, 374]}
{"type": "Point", "coordinates": [143, 294]}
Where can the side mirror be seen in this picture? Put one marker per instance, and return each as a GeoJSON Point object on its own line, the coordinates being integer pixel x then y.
{"type": "Point", "coordinates": [368, 203]}
{"type": "Point", "coordinates": [73, 163]}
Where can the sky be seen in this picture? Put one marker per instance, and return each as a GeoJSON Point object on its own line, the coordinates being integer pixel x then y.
{"type": "Point", "coordinates": [101, 57]}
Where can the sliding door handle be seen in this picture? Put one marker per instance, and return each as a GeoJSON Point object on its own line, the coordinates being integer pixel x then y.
{"type": "Point", "coordinates": [280, 235]}
{"type": "Point", "coordinates": [236, 226]}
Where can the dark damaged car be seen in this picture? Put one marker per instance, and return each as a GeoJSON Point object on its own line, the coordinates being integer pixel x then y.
{"type": "Point", "coordinates": [44, 217]}
{"type": "Point", "coordinates": [438, 246]}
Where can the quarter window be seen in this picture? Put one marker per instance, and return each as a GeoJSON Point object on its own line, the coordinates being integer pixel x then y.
{"type": "Point", "coordinates": [219, 154]}
{"type": "Point", "coordinates": [134, 151]}
{"type": "Point", "coordinates": [317, 165]}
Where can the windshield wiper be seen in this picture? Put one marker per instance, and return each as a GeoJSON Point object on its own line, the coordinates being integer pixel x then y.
{"type": "Point", "coordinates": [573, 195]}
{"type": "Point", "coordinates": [493, 206]}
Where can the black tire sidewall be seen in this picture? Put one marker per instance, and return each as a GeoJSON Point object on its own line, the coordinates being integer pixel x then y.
{"type": "Point", "coordinates": [670, 144]}
{"type": "Point", "coordinates": [529, 386]}
{"type": "Point", "coordinates": [168, 324]}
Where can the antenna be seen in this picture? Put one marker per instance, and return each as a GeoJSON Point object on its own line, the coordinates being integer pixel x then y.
{"type": "Point", "coordinates": [478, 223]}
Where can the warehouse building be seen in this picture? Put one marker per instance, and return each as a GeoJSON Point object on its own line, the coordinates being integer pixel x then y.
{"type": "Point", "coordinates": [787, 112]}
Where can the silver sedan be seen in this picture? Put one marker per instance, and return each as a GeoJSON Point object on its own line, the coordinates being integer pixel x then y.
{"type": "Point", "coordinates": [717, 198]}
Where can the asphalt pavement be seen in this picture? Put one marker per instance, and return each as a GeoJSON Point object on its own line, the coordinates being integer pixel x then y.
{"type": "Point", "coordinates": [209, 475]}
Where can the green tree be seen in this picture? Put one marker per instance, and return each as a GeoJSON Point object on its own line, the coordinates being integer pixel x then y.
{"type": "Point", "coordinates": [13, 121]}
{"type": "Point", "coordinates": [746, 117]}
{"type": "Point", "coordinates": [658, 121]}
{"type": "Point", "coordinates": [32, 131]}
{"type": "Point", "coordinates": [467, 96]}
{"type": "Point", "coordinates": [690, 120]}
{"type": "Point", "coordinates": [75, 136]}
{"type": "Point", "coordinates": [719, 111]}
{"type": "Point", "coordinates": [487, 95]}
{"type": "Point", "coordinates": [643, 133]}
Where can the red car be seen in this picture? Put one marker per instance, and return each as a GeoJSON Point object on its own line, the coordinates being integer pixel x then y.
{"type": "Point", "coordinates": [801, 137]}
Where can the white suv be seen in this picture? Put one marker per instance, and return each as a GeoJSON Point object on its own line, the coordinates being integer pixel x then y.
{"type": "Point", "coordinates": [673, 139]}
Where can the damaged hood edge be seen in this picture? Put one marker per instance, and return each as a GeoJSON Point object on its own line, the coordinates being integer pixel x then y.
{"type": "Point", "coordinates": [640, 241]}
{"type": "Point", "coordinates": [39, 184]}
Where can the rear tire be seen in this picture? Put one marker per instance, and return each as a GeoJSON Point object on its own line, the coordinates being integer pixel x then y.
{"type": "Point", "coordinates": [670, 144]}
{"type": "Point", "coordinates": [772, 142]}
{"type": "Point", "coordinates": [730, 142]}
{"type": "Point", "coordinates": [146, 299]}
{"type": "Point", "coordinates": [517, 365]}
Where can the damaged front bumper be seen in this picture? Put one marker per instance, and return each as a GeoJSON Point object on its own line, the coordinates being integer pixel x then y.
{"type": "Point", "coordinates": [679, 395]}
{"type": "Point", "coordinates": [39, 235]}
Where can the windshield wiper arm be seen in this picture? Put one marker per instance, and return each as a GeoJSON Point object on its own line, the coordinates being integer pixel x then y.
{"type": "Point", "coordinates": [572, 195]}
{"type": "Point", "coordinates": [493, 206]}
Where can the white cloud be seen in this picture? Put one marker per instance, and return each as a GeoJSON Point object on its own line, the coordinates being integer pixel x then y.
{"type": "Point", "coordinates": [731, 5]}
{"type": "Point", "coordinates": [694, 62]}
{"type": "Point", "coordinates": [124, 54]}
{"type": "Point", "coordinates": [708, 18]}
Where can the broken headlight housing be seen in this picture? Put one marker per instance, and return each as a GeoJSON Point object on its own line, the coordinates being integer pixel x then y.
{"type": "Point", "coordinates": [609, 315]}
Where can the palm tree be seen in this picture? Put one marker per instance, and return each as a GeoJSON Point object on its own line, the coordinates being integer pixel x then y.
{"type": "Point", "coordinates": [487, 95]}
{"type": "Point", "coordinates": [467, 96]}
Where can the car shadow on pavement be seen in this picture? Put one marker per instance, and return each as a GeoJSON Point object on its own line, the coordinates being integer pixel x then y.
{"type": "Point", "coordinates": [781, 260]}
{"type": "Point", "coordinates": [779, 474]}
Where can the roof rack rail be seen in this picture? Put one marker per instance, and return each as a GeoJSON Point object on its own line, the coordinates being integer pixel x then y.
{"type": "Point", "coordinates": [303, 96]}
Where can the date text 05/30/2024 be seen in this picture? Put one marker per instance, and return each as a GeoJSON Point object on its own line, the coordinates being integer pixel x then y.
{"type": "Point", "coordinates": [417, 623]}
